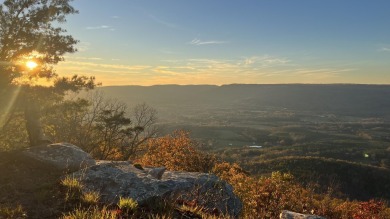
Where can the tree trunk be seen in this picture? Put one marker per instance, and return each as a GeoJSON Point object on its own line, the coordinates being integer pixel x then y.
{"type": "Point", "coordinates": [33, 125]}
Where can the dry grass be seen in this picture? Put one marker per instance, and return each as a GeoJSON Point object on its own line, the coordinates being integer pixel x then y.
{"type": "Point", "coordinates": [91, 213]}
{"type": "Point", "coordinates": [91, 198]}
{"type": "Point", "coordinates": [12, 212]}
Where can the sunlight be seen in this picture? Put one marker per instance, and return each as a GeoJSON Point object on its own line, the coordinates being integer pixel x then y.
{"type": "Point", "coordinates": [31, 65]}
{"type": "Point", "coordinates": [9, 106]}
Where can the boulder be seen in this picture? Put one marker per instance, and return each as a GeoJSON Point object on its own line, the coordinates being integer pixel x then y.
{"type": "Point", "coordinates": [121, 179]}
{"type": "Point", "coordinates": [157, 172]}
{"type": "Point", "coordinates": [294, 215]}
{"type": "Point", "coordinates": [63, 156]}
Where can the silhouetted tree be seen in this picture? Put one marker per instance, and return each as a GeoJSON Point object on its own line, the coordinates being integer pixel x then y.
{"type": "Point", "coordinates": [27, 32]}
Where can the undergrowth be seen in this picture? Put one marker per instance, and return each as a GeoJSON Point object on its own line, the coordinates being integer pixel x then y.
{"type": "Point", "coordinates": [12, 212]}
{"type": "Point", "coordinates": [85, 205]}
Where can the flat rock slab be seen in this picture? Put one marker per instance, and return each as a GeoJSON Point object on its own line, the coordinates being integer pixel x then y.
{"type": "Point", "coordinates": [294, 215]}
{"type": "Point", "coordinates": [64, 156]}
{"type": "Point", "coordinates": [121, 179]}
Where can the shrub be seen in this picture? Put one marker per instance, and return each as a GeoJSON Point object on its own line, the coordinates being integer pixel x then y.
{"type": "Point", "coordinates": [266, 197]}
{"type": "Point", "coordinates": [371, 209]}
{"type": "Point", "coordinates": [263, 197]}
{"type": "Point", "coordinates": [177, 152]}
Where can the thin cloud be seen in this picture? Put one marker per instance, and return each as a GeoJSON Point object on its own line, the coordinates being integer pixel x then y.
{"type": "Point", "coordinates": [331, 72]}
{"type": "Point", "coordinates": [83, 58]}
{"type": "Point", "coordinates": [265, 61]}
{"type": "Point", "coordinates": [199, 42]}
{"type": "Point", "coordinates": [167, 71]}
{"type": "Point", "coordinates": [261, 68]}
{"type": "Point", "coordinates": [98, 27]}
{"type": "Point", "coordinates": [163, 22]}
{"type": "Point", "coordinates": [171, 60]}
{"type": "Point", "coordinates": [385, 49]}
{"type": "Point", "coordinates": [109, 66]}
{"type": "Point", "coordinates": [115, 17]}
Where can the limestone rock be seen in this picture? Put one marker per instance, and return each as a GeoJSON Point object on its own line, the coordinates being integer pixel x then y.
{"type": "Point", "coordinates": [294, 215]}
{"type": "Point", "coordinates": [157, 172]}
{"type": "Point", "coordinates": [121, 179]}
{"type": "Point", "coordinates": [63, 156]}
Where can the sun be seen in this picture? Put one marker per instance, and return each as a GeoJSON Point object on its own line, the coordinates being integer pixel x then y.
{"type": "Point", "coordinates": [31, 65]}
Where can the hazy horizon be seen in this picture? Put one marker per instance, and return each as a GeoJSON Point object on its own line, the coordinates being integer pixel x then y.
{"type": "Point", "coordinates": [219, 85]}
{"type": "Point", "coordinates": [220, 42]}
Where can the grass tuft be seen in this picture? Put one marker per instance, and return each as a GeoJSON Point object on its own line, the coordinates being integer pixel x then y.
{"type": "Point", "coordinates": [127, 204]}
{"type": "Point", "coordinates": [71, 183]}
{"type": "Point", "coordinates": [74, 189]}
{"type": "Point", "coordinates": [91, 198]}
{"type": "Point", "coordinates": [91, 213]}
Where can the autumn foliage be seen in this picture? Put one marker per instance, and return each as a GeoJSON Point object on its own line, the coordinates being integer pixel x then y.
{"type": "Point", "coordinates": [263, 197]}
{"type": "Point", "coordinates": [266, 197]}
{"type": "Point", "coordinates": [177, 151]}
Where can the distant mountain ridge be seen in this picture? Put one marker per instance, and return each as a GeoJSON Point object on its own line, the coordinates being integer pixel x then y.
{"type": "Point", "coordinates": [345, 99]}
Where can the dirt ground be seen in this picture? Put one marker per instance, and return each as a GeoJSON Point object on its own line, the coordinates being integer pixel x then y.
{"type": "Point", "coordinates": [30, 184]}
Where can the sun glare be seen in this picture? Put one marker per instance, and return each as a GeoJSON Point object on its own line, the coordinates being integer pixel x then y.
{"type": "Point", "coordinates": [31, 65]}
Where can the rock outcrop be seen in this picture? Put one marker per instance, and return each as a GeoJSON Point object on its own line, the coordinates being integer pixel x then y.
{"type": "Point", "coordinates": [115, 179]}
{"type": "Point", "coordinates": [294, 215]}
{"type": "Point", "coordinates": [121, 179]}
{"type": "Point", "coordinates": [63, 156]}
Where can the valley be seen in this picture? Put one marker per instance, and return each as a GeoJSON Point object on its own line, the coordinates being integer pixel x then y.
{"type": "Point", "coordinates": [303, 129]}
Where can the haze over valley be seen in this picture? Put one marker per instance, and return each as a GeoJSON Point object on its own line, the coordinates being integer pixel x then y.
{"type": "Point", "coordinates": [291, 123]}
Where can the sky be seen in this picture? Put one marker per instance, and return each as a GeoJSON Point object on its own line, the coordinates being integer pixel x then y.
{"type": "Point", "coordinates": [148, 42]}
